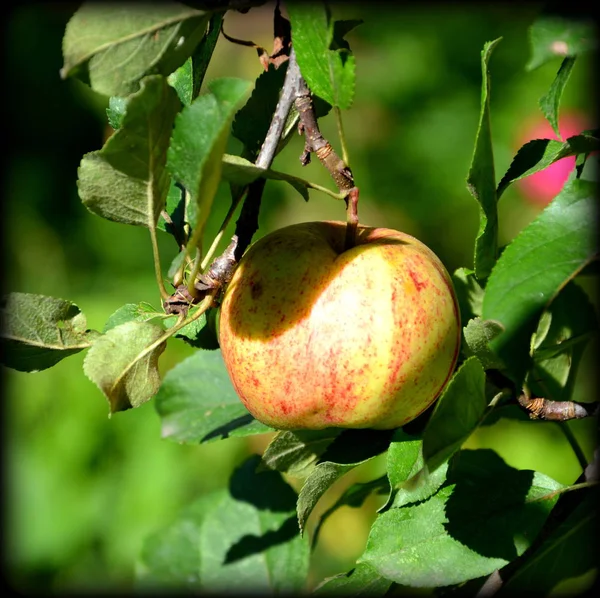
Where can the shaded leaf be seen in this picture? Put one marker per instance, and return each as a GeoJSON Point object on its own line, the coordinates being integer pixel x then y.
{"type": "Point", "coordinates": [116, 45]}
{"type": "Point", "coordinates": [252, 121]}
{"type": "Point", "coordinates": [550, 102]}
{"type": "Point", "coordinates": [478, 334]}
{"type": "Point", "coordinates": [469, 293]}
{"type": "Point", "coordinates": [197, 402]}
{"type": "Point", "coordinates": [175, 209]}
{"type": "Point", "coordinates": [570, 322]}
{"type": "Point", "coordinates": [123, 363]}
{"type": "Point", "coordinates": [570, 551]}
{"type": "Point", "coordinates": [553, 36]}
{"type": "Point", "coordinates": [535, 266]}
{"type": "Point", "coordinates": [363, 580]}
{"type": "Point", "coordinates": [126, 181]}
{"type": "Point", "coordinates": [38, 331]}
{"type": "Point", "coordinates": [296, 452]}
{"type": "Point", "coordinates": [325, 60]}
{"type": "Point", "coordinates": [198, 144]}
{"type": "Point", "coordinates": [486, 516]}
{"type": "Point", "coordinates": [131, 312]}
{"type": "Point", "coordinates": [538, 154]}
{"type": "Point", "coordinates": [457, 413]}
{"type": "Point", "coordinates": [239, 540]}
{"type": "Point", "coordinates": [348, 450]}
{"type": "Point", "coordinates": [481, 180]}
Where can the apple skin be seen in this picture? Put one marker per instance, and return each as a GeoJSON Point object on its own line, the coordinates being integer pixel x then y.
{"type": "Point", "coordinates": [315, 337]}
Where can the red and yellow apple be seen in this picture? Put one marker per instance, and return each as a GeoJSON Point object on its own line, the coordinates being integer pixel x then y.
{"type": "Point", "coordinates": [315, 336]}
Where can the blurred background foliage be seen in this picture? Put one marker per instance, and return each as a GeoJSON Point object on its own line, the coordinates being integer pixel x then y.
{"type": "Point", "coordinates": [82, 491]}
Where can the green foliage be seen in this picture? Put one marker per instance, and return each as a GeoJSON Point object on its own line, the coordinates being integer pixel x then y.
{"type": "Point", "coordinates": [235, 539]}
{"type": "Point", "coordinates": [38, 331]}
{"type": "Point", "coordinates": [325, 59]}
{"type": "Point", "coordinates": [454, 512]}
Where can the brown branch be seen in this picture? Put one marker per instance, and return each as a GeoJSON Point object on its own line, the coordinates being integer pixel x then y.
{"type": "Point", "coordinates": [540, 408]}
{"type": "Point", "coordinates": [314, 140]}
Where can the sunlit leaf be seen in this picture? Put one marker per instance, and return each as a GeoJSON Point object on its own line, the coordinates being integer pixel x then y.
{"type": "Point", "coordinates": [481, 180]}
{"type": "Point", "coordinates": [197, 402]}
{"type": "Point", "coordinates": [363, 580]}
{"type": "Point", "coordinates": [486, 516]}
{"type": "Point", "coordinates": [126, 181]}
{"type": "Point", "coordinates": [535, 266]}
{"type": "Point", "coordinates": [553, 36]}
{"type": "Point", "coordinates": [38, 331]}
{"type": "Point", "coordinates": [244, 538]}
{"type": "Point", "coordinates": [123, 363]}
{"type": "Point", "coordinates": [116, 111]}
{"type": "Point", "coordinates": [198, 144]}
{"type": "Point", "coordinates": [116, 45]}
{"type": "Point", "coordinates": [409, 481]}
{"type": "Point", "coordinates": [242, 172]}
{"type": "Point", "coordinates": [324, 58]}
{"type": "Point", "coordinates": [131, 312]}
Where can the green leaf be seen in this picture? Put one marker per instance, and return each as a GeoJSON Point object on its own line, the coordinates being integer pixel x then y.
{"type": "Point", "coordinates": [478, 334]}
{"type": "Point", "coordinates": [244, 538]}
{"type": "Point", "coordinates": [131, 312]}
{"type": "Point", "coordinates": [198, 144]}
{"type": "Point", "coordinates": [550, 102]}
{"type": "Point", "coordinates": [116, 45]}
{"type": "Point", "coordinates": [559, 347]}
{"type": "Point", "coordinates": [253, 120]}
{"type": "Point", "coordinates": [487, 515]}
{"type": "Point", "coordinates": [126, 181]}
{"type": "Point", "coordinates": [175, 209]}
{"type": "Point", "coordinates": [116, 111]}
{"type": "Point", "coordinates": [296, 452]}
{"type": "Point", "coordinates": [538, 154]}
{"type": "Point", "coordinates": [38, 331]}
{"type": "Point", "coordinates": [325, 60]}
{"type": "Point", "coordinates": [566, 553]}
{"type": "Point", "coordinates": [197, 402]}
{"type": "Point", "coordinates": [409, 480]}
{"type": "Point", "coordinates": [187, 79]}
{"type": "Point", "coordinates": [481, 180]}
{"type": "Point", "coordinates": [552, 36]}
{"type": "Point", "coordinates": [201, 333]}
{"type": "Point", "coordinates": [363, 580]}
{"type": "Point", "coordinates": [350, 449]}
{"type": "Point", "coordinates": [457, 413]}
{"type": "Point", "coordinates": [241, 172]}
{"type": "Point", "coordinates": [469, 293]}
{"type": "Point", "coordinates": [535, 266]}
{"type": "Point", "coordinates": [123, 363]}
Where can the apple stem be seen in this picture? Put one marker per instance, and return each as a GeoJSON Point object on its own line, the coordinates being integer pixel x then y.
{"type": "Point", "coordinates": [351, 218]}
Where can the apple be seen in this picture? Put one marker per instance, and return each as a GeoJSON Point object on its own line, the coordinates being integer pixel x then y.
{"type": "Point", "coordinates": [542, 187]}
{"type": "Point", "coordinates": [314, 336]}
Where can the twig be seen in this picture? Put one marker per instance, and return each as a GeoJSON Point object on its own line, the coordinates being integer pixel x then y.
{"type": "Point", "coordinates": [540, 408]}
{"type": "Point", "coordinates": [314, 140]}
